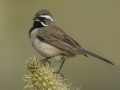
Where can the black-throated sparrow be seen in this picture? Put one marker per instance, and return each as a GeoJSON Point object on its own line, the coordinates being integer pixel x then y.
{"type": "Point", "coordinates": [52, 42]}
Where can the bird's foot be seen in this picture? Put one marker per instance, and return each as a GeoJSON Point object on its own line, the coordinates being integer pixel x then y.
{"type": "Point", "coordinates": [44, 61]}
{"type": "Point", "coordinates": [58, 73]}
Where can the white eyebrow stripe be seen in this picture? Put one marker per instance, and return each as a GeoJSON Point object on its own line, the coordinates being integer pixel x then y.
{"type": "Point", "coordinates": [47, 16]}
{"type": "Point", "coordinates": [43, 24]}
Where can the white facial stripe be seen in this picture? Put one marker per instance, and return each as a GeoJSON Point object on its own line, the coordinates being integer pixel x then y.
{"type": "Point", "coordinates": [43, 24]}
{"type": "Point", "coordinates": [47, 16]}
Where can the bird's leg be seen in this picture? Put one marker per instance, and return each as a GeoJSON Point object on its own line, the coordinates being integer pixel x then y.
{"type": "Point", "coordinates": [61, 66]}
{"type": "Point", "coordinates": [45, 60]}
{"type": "Point", "coordinates": [58, 72]}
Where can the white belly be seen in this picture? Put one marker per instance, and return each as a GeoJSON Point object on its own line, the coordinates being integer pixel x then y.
{"type": "Point", "coordinates": [45, 49]}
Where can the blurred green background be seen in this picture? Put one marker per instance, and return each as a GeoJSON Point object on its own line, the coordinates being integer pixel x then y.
{"type": "Point", "coordinates": [94, 24]}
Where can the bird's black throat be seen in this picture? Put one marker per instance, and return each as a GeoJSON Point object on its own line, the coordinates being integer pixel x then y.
{"type": "Point", "coordinates": [35, 25]}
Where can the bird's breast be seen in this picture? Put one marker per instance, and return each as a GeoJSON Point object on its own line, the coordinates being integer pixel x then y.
{"type": "Point", "coordinates": [45, 49]}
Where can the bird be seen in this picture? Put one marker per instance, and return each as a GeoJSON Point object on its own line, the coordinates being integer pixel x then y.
{"type": "Point", "coordinates": [52, 42]}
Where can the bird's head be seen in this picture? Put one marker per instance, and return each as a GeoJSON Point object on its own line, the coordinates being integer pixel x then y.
{"type": "Point", "coordinates": [43, 18]}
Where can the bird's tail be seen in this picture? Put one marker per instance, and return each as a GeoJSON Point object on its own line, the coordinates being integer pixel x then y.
{"type": "Point", "coordinates": [97, 56]}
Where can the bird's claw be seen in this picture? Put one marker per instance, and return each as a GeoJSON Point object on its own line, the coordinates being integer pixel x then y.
{"type": "Point", "coordinates": [58, 73]}
{"type": "Point", "coordinates": [44, 62]}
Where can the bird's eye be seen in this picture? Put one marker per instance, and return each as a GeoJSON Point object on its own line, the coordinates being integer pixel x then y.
{"type": "Point", "coordinates": [43, 19]}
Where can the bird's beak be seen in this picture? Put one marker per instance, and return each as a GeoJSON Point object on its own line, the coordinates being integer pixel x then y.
{"type": "Point", "coordinates": [36, 19]}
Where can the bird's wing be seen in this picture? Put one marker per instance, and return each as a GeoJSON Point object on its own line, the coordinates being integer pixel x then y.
{"type": "Point", "coordinates": [58, 38]}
